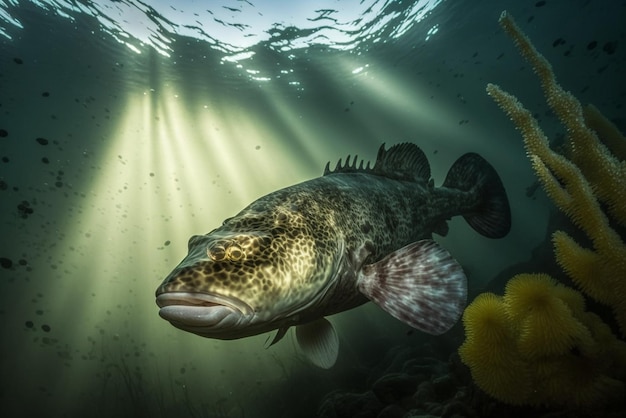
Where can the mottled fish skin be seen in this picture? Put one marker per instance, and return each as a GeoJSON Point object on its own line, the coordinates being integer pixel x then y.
{"type": "Point", "coordinates": [294, 255]}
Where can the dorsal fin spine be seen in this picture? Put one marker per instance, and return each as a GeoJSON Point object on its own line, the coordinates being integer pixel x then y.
{"type": "Point", "coordinates": [406, 162]}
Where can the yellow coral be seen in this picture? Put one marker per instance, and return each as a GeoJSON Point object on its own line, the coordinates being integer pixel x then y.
{"type": "Point", "coordinates": [573, 381]}
{"type": "Point", "coordinates": [537, 345]}
{"type": "Point", "coordinates": [576, 185]}
{"type": "Point", "coordinates": [539, 330]}
{"type": "Point", "coordinates": [606, 131]}
{"type": "Point", "coordinates": [525, 292]}
{"type": "Point", "coordinates": [546, 324]}
{"type": "Point", "coordinates": [611, 352]}
{"type": "Point", "coordinates": [601, 168]}
{"type": "Point", "coordinates": [572, 298]}
{"type": "Point", "coordinates": [486, 319]}
{"type": "Point", "coordinates": [491, 352]}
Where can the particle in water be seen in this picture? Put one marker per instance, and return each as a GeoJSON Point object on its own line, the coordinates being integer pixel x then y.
{"type": "Point", "coordinates": [3, 133]}
{"type": "Point", "coordinates": [18, 60]}
{"type": "Point", "coordinates": [24, 209]}
{"type": "Point", "coordinates": [45, 328]}
{"type": "Point", "coordinates": [42, 141]}
{"type": "Point", "coordinates": [29, 324]}
{"type": "Point", "coordinates": [6, 262]}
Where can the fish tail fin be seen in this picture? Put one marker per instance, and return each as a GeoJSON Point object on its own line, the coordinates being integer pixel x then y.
{"type": "Point", "coordinates": [472, 173]}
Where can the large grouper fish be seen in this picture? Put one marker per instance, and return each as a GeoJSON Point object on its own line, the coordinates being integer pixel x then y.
{"type": "Point", "coordinates": [332, 243]}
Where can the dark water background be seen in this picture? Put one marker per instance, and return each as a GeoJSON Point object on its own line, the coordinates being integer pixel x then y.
{"type": "Point", "coordinates": [127, 127]}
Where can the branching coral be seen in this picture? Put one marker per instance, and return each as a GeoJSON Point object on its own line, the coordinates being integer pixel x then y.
{"type": "Point", "coordinates": [603, 170]}
{"type": "Point", "coordinates": [591, 175]}
{"type": "Point", "coordinates": [540, 331]}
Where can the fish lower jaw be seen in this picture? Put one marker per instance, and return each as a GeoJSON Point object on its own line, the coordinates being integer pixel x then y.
{"type": "Point", "coordinates": [201, 320]}
{"type": "Point", "coordinates": [207, 315]}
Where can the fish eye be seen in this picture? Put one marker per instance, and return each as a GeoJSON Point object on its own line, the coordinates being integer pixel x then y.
{"type": "Point", "coordinates": [234, 253]}
{"type": "Point", "coordinates": [216, 253]}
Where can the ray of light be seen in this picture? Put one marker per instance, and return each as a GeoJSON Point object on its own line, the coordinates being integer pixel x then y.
{"type": "Point", "coordinates": [165, 174]}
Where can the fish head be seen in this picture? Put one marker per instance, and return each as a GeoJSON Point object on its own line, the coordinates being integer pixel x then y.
{"type": "Point", "coordinates": [254, 271]}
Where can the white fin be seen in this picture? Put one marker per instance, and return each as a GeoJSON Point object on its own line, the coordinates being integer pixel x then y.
{"type": "Point", "coordinates": [420, 284]}
{"type": "Point", "coordinates": [319, 342]}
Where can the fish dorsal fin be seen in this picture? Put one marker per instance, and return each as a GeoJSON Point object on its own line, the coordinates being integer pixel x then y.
{"type": "Point", "coordinates": [400, 162]}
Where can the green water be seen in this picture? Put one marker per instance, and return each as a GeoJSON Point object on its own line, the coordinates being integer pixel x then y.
{"type": "Point", "coordinates": [127, 129]}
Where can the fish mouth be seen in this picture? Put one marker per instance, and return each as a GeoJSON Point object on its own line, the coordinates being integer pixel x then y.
{"type": "Point", "coordinates": [201, 313]}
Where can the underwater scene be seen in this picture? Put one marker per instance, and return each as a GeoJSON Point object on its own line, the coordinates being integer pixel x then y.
{"type": "Point", "coordinates": [366, 208]}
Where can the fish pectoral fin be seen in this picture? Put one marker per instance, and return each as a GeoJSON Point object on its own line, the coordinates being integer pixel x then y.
{"type": "Point", "coordinates": [319, 342]}
{"type": "Point", "coordinates": [421, 284]}
{"type": "Point", "coordinates": [279, 336]}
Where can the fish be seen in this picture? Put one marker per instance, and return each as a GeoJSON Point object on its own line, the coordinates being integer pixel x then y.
{"type": "Point", "coordinates": [356, 234]}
